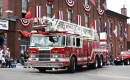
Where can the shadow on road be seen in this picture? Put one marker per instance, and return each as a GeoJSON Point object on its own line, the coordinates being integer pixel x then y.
{"type": "Point", "coordinates": [64, 71]}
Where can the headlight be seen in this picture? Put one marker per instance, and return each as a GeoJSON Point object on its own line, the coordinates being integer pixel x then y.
{"type": "Point", "coordinates": [122, 58]}
{"type": "Point", "coordinates": [56, 55]}
{"type": "Point", "coordinates": [32, 55]}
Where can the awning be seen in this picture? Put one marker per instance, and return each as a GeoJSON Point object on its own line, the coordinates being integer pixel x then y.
{"type": "Point", "coordinates": [24, 33]}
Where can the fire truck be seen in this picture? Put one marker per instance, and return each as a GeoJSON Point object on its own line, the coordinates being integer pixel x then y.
{"type": "Point", "coordinates": [60, 44]}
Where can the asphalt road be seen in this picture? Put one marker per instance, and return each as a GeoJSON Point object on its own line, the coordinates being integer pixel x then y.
{"type": "Point", "coordinates": [105, 73]}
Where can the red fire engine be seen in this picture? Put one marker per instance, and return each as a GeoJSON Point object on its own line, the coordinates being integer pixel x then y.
{"type": "Point", "coordinates": [61, 44]}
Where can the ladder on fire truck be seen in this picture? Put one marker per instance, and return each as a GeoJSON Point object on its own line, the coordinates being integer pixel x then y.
{"type": "Point", "coordinates": [51, 24]}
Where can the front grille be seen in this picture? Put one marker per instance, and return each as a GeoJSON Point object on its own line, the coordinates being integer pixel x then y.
{"type": "Point", "coordinates": [44, 55]}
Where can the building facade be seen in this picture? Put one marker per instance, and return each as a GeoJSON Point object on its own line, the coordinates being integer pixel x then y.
{"type": "Point", "coordinates": [87, 12]}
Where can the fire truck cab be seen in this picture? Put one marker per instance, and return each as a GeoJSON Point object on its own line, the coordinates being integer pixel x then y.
{"type": "Point", "coordinates": [64, 45]}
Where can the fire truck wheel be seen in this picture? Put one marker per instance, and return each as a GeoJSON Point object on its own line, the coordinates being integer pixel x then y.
{"type": "Point", "coordinates": [100, 62]}
{"type": "Point", "coordinates": [42, 70]}
{"type": "Point", "coordinates": [71, 67]}
{"type": "Point", "coordinates": [95, 64]}
{"type": "Point", "coordinates": [126, 61]}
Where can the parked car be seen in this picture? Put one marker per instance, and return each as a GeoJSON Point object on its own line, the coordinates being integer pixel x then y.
{"type": "Point", "coordinates": [123, 58]}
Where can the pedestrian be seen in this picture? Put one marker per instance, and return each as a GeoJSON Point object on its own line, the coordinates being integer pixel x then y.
{"type": "Point", "coordinates": [7, 58]}
{"type": "Point", "coordinates": [25, 56]}
{"type": "Point", "coordinates": [7, 52]}
{"type": "Point", "coordinates": [1, 53]}
{"type": "Point", "coordinates": [22, 60]}
{"type": "Point", "coordinates": [112, 60]}
{"type": "Point", "coordinates": [3, 62]}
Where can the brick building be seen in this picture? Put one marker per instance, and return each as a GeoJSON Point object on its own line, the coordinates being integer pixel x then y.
{"type": "Point", "coordinates": [17, 43]}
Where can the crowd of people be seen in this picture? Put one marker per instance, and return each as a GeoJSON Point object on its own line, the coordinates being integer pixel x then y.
{"type": "Point", "coordinates": [6, 60]}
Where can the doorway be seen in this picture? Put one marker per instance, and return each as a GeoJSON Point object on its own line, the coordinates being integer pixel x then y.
{"type": "Point", "coordinates": [1, 39]}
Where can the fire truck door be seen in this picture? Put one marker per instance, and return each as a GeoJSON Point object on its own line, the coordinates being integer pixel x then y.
{"type": "Point", "coordinates": [79, 45]}
{"type": "Point", "coordinates": [81, 51]}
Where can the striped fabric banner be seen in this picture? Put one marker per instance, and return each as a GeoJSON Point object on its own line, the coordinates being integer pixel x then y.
{"type": "Point", "coordinates": [94, 25]}
{"type": "Point", "coordinates": [38, 12]}
{"type": "Point", "coordinates": [60, 15]}
{"type": "Point", "coordinates": [78, 19]}
{"type": "Point", "coordinates": [70, 3]}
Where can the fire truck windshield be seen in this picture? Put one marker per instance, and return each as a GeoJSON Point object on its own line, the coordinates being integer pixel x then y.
{"type": "Point", "coordinates": [47, 41]}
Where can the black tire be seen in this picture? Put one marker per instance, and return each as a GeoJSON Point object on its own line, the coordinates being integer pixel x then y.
{"type": "Point", "coordinates": [118, 63]}
{"type": "Point", "coordinates": [100, 62]}
{"type": "Point", "coordinates": [72, 65]}
{"type": "Point", "coordinates": [89, 66]}
{"type": "Point", "coordinates": [95, 64]}
{"type": "Point", "coordinates": [126, 62]}
{"type": "Point", "coordinates": [42, 70]}
{"type": "Point", "coordinates": [79, 67]}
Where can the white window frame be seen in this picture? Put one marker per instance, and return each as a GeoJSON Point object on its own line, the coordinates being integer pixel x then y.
{"type": "Point", "coordinates": [120, 29]}
{"type": "Point", "coordinates": [86, 20]}
{"type": "Point", "coordinates": [99, 4]}
{"type": "Point", "coordinates": [86, 2]}
{"type": "Point", "coordinates": [99, 24]}
{"type": "Point", "coordinates": [49, 10]}
{"type": "Point", "coordinates": [69, 15]}
{"type": "Point", "coordinates": [24, 6]}
{"type": "Point", "coordinates": [110, 27]}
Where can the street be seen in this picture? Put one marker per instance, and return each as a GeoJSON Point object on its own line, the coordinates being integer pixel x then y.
{"type": "Point", "coordinates": [105, 73]}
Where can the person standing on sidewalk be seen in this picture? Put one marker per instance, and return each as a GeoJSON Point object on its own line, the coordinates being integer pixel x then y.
{"type": "Point", "coordinates": [7, 58]}
{"type": "Point", "coordinates": [26, 56]}
{"type": "Point", "coordinates": [3, 65]}
{"type": "Point", "coordinates": [1, 53]}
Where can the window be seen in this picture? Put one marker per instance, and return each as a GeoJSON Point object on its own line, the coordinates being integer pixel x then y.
{"type": "Point", "coordinates": [73, 41]}
{"type": "Point", "coordinates": [99, 28]}
{"type": "Point", "coordinates": [96, 37]}
{"type": "Point", "coordinates": [49, 10]}
{"type": "Point", "coordinates": [24, 6]}
{"type": "Point", "coordinates": [86, 2]}
{"type": "Point", "coordinates": [120, 29]}
{"type": "Point", "coordinates": [69, 15]}
{"type": "Point", "coordinates": [99, 3]}
{"type": "Point", "coordinates": [110, 49]}
{"type": "Point", "coordinates": [86, 20]}
{"type": "Point", "coordinates": [0, 7]}
{"type": "Point", "coordinates": [24, 42]}
{"type": "Point", "coordinates": [68, 41]}
{"type": "Point", "coordinates": [110, 27]}
{"type": "Point", "coordinates": [78, 42]}
{"type": "Point", "coordinates": [47, 41]}
{"type": "Point", "coordinates": [121, 48]}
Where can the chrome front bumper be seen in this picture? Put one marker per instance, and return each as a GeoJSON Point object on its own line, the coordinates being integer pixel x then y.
{"type": "Point", "coordinates": [44, 64]}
